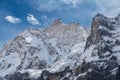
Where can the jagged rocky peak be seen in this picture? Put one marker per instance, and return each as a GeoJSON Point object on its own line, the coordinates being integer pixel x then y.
{"type": "Point", "coordinates": [98, 17]}
{"type": "Point", "coordinates": [100, 26]}
{"type": "Point", "coordinates": [57, 22]}
{"type": "Point", "coordinates": [72, 29]}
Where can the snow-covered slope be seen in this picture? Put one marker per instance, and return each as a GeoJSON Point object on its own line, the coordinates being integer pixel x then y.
{"type": "Point", "coordinates": [52, 48]}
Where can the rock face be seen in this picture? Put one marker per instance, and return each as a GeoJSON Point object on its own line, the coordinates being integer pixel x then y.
{"type": "Point", "coordinates": [102, 50]}
{"type": "Point", "coordinates": [99, 21]}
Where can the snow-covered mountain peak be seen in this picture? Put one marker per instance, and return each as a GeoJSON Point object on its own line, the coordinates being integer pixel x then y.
{"type": "Point", "coordinates": [99, 15]}
{"type": "Point", "coordinates": [43, 48]}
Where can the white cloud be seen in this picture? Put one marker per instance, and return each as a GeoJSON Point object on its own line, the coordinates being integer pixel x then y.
{"type": "Point", "coordinates": [31, 19]}
{"type": "Point", "coordinates": [12, 19]}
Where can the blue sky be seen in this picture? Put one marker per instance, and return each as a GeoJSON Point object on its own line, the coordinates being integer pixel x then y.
{"type": "Point", "coordinates": [17, 15]}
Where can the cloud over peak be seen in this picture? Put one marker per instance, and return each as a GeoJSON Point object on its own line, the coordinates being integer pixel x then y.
{"type": "Point", "coordinates": [31, 19]}
{"type": "Point", "coordinates": [12, 19]}
{"type": "Point", "coordinates": [51, 5]}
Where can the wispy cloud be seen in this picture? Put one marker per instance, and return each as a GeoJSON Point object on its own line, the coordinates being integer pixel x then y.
{"type": "Point", "coordinates": [12, 19]}
{"type": "Point", "coordinates": [51, 5]}
{"type": "Point", "coordinates": [31, 19]}
{"type": "Point", "coordinates": [46, 19]}
{"type": "Point", "coordinates": [108, 8]}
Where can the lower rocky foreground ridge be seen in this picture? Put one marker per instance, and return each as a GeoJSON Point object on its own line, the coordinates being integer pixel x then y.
{"type": "Point", "coordinates": [69, 52]}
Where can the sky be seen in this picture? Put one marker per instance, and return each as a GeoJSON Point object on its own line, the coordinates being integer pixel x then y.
{"type": "Point", "coordinates": [18, 15]}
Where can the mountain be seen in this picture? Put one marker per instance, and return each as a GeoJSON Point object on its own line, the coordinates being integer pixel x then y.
{"type": "Point", "coordinates": [34, 50]}
{"type": "Point", "coordinates": [64, 52]}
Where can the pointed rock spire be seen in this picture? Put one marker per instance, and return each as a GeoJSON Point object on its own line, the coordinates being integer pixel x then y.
{"type": "Point", "coordinates": [57, 22]}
